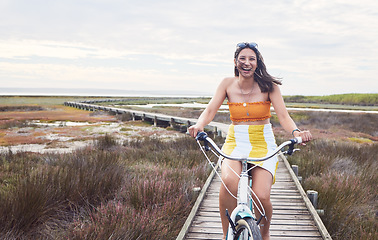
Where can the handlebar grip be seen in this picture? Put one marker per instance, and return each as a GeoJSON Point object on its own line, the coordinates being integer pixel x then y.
{"type": "Point", "coordinates": [299, 140]}
{"type": "Point", "coordinates": [201, 136]}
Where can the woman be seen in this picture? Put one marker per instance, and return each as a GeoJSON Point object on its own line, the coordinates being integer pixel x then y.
{"type": "Point", "coordinates": [250, 94]}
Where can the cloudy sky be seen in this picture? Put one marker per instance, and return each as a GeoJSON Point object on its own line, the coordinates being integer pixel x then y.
{"type": "Point", "coordinates": [317, 47]}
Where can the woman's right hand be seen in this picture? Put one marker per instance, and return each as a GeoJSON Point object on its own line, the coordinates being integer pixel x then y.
{"type": "Point", "coordinates": [193, 130]}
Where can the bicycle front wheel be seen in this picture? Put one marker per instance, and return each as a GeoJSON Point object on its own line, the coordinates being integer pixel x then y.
{"type": "Point", "coordinates": [247, 229]}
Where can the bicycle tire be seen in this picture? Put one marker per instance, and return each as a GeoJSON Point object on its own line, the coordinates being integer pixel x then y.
{"type": "Point", "coordinates": [249, 226]}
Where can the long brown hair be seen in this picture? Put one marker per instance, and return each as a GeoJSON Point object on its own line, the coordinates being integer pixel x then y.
{"type": "Point", "coordinates": [262, 77]}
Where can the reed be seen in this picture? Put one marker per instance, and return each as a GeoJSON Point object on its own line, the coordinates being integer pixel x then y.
{"type": "Point", "coordinates": [345, 176]}
{"type": "Point", "coordinates": [6, 124]}
{"type": "Point", "coordinates": [23, 108]}
{"type": "Point", "coordinates": [46, 187]}
{"type": "Point", "coordinates": [141, 189]}
{"type": "Point", "coordinates": [327, 121]}
{"type": "Point", "coordinates": [351, 99]}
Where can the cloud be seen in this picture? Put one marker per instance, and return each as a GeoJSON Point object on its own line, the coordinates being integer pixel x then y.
{"type": "Point", "coordinates": [168, 44]}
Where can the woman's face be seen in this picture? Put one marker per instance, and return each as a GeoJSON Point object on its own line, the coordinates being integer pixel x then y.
{"type": "Point", "coordinates": [246, 63]}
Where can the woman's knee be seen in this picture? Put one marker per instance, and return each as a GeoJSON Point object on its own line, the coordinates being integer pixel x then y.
{"type": "Point", "coordinates": [262, 184]}
{"type": "Point", "coordinates": [230, 173]}
{"type": "Point", "coordinates": [230, 181]}
{"type": "Point", "coordinates": [263, 195]}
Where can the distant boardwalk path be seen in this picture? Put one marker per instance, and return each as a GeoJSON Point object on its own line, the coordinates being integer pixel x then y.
{"type": "Point", "coordinates": [294, 217]}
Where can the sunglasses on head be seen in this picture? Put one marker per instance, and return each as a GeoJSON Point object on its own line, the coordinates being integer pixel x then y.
{"type": "Point", "coordinates": [245, 44]}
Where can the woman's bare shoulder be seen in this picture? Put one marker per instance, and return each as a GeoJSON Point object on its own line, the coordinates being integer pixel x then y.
{"type": "Point", "coordinates": [228, 81]}
{"type": "Point", "coordinates": [276, 89]}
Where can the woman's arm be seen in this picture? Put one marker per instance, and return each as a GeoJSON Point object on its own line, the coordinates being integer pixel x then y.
{"type": "Point", "coordinates": [209, 113]}
{"type": "Point", "coordinates": [283, 116]}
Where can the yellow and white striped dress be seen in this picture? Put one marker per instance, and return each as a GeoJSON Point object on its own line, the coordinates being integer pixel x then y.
{"type": "Point", "coordinates": [253, 141]}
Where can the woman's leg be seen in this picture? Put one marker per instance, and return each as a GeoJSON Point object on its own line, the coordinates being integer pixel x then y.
{"type": "Point", "coordinates": [226, 201]}
{"type": "Point", "coordinates": [261, 184]}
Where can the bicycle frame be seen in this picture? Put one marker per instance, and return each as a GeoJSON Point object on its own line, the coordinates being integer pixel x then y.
{"type": "Point", "coordinates": [244, 208]}
{"type": "Point", "coordinates": [245, 203]}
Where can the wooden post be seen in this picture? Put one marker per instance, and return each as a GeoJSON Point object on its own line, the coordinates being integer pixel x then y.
{"type": "Point", "coordinates": [295, 169]}
{"type": "Point", "coordinates": [320, 212]}
{"type": "Point", "coordinates": [300, 179]}
{"type": "Point", "coordinates": [219, 133]}
{"type": "Point", "coordinates": [215, 131]}
{"type": "Point", "coordinates": [187, 126]}
{"type": "Point", "coordinates": [313, 196]}
{"type": "Point", "coordinates": [155, 121]}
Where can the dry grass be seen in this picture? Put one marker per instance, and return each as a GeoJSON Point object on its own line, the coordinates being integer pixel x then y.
{"type": "Point", "coordinates": [15, 126]}
{"type": "Point", "coordinates": [345, 175]}
{"type": "Point", "coordinates": [121, 182]}
{"type": "Point", "coordinates": [56, 113]}
{"type": "Point", "coordinates": [138, 190]}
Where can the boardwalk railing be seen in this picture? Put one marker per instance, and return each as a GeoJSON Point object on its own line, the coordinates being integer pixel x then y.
{"type": "Point", "coordinates": [290, 190]}
{"type": "Point", "coordinates": [155, 118]}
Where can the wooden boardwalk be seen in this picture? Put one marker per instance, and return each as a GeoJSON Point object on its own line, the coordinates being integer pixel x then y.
{"type": "Point", "coordinates": [291, 217]}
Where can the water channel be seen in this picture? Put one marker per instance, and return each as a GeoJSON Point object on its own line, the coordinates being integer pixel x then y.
{"type": "Point", "coordinates": [225, 107]}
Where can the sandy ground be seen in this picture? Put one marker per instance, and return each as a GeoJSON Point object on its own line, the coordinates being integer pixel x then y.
{"type": "Point", "coordinates": [64, 129]}
{"type": "Point", "coordinates": [65, 136]}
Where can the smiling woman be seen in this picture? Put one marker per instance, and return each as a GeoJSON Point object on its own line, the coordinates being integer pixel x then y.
{"type": "Point", "coordinates": [262, 77]}
{"type": "Point", "coordinates": [250, 94]}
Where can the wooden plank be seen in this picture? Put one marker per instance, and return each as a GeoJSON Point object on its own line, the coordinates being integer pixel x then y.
{"type": "Point", "coordinates": [275, 229]}
{"type": "Point", "coordinates": [322, 229]}
{"type": "Point", "coordinates": [189, 220]}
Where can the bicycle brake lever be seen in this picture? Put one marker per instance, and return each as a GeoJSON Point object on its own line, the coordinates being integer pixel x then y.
{"type": "Point", "coordinates": [290, 151]}
{"type": "Point", "coordinates": [201, 136]}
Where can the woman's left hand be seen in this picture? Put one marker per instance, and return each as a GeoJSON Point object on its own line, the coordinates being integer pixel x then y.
{"type": "Point", "coordinates": [305, 135]}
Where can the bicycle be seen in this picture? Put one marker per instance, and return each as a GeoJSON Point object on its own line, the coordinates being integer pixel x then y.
{"type": "Point", "coordinates": [243, 224]}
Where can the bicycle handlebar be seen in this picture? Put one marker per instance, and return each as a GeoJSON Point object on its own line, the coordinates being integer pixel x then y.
{"type": "Point", "coordinates": [202, 136]}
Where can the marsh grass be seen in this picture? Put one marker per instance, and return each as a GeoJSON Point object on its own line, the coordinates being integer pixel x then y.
{"type": "Point", "coordinates": [105, 142]}
{"type": "Point", "coordinates": [125, 117]}
{"type": "Point", "coordinates": [141, 189]}
{"type": "Point", "coordinates": [111, 190]}
{"type": "Point", "coordinates": [23, 108]}
{"type": "Point", "coordinates": [48, 186]}
{"type": "Point", "coordinates": [354, 122]}
{"type": "Point", "coordinates": [345, 175]}
{"type": "Point", "coordinates": [351, 99]}
{"type": "Point", "coordinates": [6, 124]}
